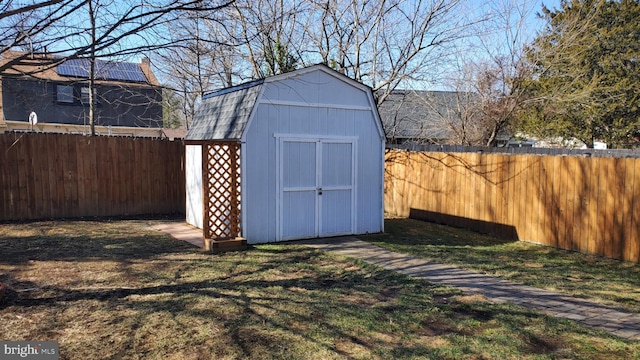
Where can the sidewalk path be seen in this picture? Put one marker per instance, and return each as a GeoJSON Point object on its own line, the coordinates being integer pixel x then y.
{"type": "Point", "coordinates": [182, 231]}
{"type": "Point", "coordinates": [615, 321]}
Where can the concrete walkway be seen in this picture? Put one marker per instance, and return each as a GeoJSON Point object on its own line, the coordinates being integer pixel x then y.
{"type": "Point", "coordinates": [618, 322]}
{"type": "Point", "coordinates": [182, 231]}
{"type": "Point", "coordinates": [615, 321]}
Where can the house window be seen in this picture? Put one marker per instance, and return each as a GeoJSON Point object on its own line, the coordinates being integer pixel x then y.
{"type": "Point", "coordinates": [84, 95]}
{"type": "Point", "coordinates": [64, 94]}
{"type": "Point", "coordinates": [73, 95]}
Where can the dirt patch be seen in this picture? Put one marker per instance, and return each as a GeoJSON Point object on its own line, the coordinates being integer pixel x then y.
{"type": "Point", "coordinates": [436, 326]}
{"type": "Point", "coordinates": [543, 344]}
{"type": "Point", "coordinates": [470, 299]}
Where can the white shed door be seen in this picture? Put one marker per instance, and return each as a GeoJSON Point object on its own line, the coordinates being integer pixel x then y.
{"type": "Point", "coordinates": [316, 196]}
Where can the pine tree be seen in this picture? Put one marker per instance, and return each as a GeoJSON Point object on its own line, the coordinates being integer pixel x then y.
{"type": "Point", "coordinates": [587, 77]}
{"type": "Point", "coordinates": [278, 59]}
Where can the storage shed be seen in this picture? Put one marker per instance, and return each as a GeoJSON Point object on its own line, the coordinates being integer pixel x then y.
{"type": "Point", "coordinates": [293, 156]}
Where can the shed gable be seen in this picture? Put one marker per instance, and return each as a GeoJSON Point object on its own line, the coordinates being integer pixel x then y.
{"type": "Point", "coordinates": [317, 87]}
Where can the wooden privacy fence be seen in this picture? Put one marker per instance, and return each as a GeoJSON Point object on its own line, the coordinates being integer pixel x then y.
{"type": "Point", "coordinates": [62, 175]}
{"type": "Point", "coordinates": [578, 203]}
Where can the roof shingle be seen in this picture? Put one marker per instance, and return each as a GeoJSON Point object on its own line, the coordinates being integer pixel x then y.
{"type": "Point", "coordinates": [230, 111]}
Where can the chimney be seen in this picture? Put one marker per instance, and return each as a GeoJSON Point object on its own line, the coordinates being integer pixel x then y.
{"type": "Point", "coordinates": [145, 65]}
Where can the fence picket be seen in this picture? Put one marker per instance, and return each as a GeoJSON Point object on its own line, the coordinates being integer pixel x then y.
{"type": "Point", "coordinates": [577, 179]}
{"type": "Point", "coordinates": [632, 248]}
{"type": "Point", "coordinates": [608, 240]}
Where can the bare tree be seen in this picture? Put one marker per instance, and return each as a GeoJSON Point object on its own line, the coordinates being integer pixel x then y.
{"type": "Point", "coordinates": [191, 73]}
{"type": "Point", "coordinates": [92, 29]}
{"type": "Point", "coordinates": [248, 40]}
{"type": "Point", "coordinates": [384, 43]}
{"type": "Point", "coordinates": [29, 25]}
{"type": "Point", "coordinates": [269, 34]}
{"type": "Point", "coordinates": [60, 26]}
{"type": "Point", "coordinates": [499, 80]}
{"type": "Point", "coordinates": [487, 73]}
{"type": "Point", "coordinates": [206, 56]}
{"type": "Point", "coordinates": [381, 43]}
{"type": "Point", "coordinates": [93, 6]}
{"type": "Point", "coordinates": [431, 117]}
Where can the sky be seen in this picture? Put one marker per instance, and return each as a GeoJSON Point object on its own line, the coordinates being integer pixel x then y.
{"type": "Point", "coordinates": [480, 47]}
{"type": "Point", "coordinates": [551, 4]}
{"type": "Point", "coordinates": [474, 9]}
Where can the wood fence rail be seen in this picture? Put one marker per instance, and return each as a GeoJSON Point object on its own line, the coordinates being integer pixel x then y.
{"type": "Point", "coordinates": [632, 153]}
{"type": "Point", "coordinates": [61, 175]}
{"type": "Point", "coordinates": [586, 204]}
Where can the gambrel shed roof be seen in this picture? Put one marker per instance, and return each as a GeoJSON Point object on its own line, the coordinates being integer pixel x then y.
{"type": "Point", "coordinates": [224, 114]}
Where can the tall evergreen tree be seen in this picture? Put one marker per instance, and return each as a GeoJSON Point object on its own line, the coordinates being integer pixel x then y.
{"type": "Point", "coordinates": [587, 77]}
{"type": "Point", "coordinates": [278, 59]}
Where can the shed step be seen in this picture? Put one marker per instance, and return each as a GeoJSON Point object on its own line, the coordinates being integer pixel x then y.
{"type": "Point", "coordinates": [217, 246]}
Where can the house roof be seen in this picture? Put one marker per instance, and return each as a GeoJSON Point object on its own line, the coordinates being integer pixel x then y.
{"type": "Point", "coordinates": [231, 108]}
{"type": "Point", "coordinates": [50, 67]}
{"type": "Point", "coordinates": [172, 134]}
{"type": "Point", "coordinates": [419, 114]}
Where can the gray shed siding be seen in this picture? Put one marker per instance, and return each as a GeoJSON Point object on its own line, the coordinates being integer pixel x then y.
{"type": "Point", "coordinates": [194, 196]}
{"type": "Point", "coordinates": [315, 104]}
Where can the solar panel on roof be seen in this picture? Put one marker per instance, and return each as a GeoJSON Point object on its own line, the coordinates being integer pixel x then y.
{"type": "Point", "coordinates": [105, 70]}
{"type": "Point", "coordinates": [73, 68]}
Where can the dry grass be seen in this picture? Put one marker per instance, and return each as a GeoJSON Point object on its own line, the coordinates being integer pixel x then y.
{"type": "Point", "coordinates": [120, 290]}
{"type": "Point", "coordinates": [607, 281]}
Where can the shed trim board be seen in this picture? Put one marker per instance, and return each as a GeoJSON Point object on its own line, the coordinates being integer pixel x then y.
{"type": "Point", "coordinates": [320, 105]}
{"type": "Point", "coordinates": [318, 189]}
{"type": "Point", "coordinates": [243, 163]}
{"type": "Point", "coordinates": [243, 186]}
{"type": "Point", "coordinates": [328, 138]}
{"type": "Point", "coordinates": [252, 115]}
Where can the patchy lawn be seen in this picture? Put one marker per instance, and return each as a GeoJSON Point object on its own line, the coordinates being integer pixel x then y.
{"type": "Point", "coordinates": [120, 290]}
{"type": "Point", "coordinates": [599, 279]}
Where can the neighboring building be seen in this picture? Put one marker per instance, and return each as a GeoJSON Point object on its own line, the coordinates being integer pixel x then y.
{"type": "Point", "coordinates": [422, 117]}
{"type": "Point", "coordinates": [128, 95]}
{"type": "Point", "coordinates": [412, 118]}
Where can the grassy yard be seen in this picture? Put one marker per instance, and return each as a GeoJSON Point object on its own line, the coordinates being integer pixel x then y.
{"type": "Point", "coordinates": [599, 279]}
{"type": "Point", "coordinates": [120, 290]}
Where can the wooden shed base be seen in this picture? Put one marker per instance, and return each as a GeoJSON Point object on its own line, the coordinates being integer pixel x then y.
{"type": "Point", "coordinates": [217, 246]}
